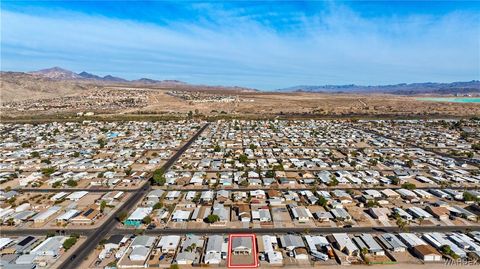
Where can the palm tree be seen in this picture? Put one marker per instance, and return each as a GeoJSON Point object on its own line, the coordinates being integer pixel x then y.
{"type": "Point", "coordinates": [403, 225]}
{"type": "Point", "coordinates": [420, 220]}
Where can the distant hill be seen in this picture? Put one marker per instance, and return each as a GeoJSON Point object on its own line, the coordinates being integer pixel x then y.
{"type": "Point", "coordinates": [146, 81]}
{"type": "Point", "coordinates": [401, 89]}
{"type": "Point", "coordinates": [58, 73]}
{"type": "Point", "coordinates": [18, 86]}
{"type": "Point", "coordinates": [113, 79]}
{"type": "Point", "coordinates": [110, 78]}
{"type": "Point", "coordinates": [89, 76]}
{"type": "Point", "coordinates": [58, 82]}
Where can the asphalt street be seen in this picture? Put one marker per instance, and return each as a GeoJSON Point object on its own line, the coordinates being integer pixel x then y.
{"type": "Point", "coordinates": [94, 238]}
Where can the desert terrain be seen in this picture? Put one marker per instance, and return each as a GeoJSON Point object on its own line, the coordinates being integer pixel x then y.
{"type": "Point", "coordinates": [26, 95]}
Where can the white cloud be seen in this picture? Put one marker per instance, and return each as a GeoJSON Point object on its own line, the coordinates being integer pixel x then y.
{"type": "Point", "coordinates": [332, 47]}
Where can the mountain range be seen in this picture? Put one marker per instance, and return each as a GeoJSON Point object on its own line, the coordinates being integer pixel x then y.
{"type": "Point", "coordinates": [58, 73]}
{"type": "Point", "coordinates": [402, 88]}
{"type": "Point", "coordinates": [58, 82]}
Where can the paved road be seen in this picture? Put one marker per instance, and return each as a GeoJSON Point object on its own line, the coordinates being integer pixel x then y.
{"type": "Point", "coordinates": [108, 227]}
{"type": "Point", "coordinates": [216, 230]}
{"type": "Point", "coordinates": [98, 234]}
{"type": "Point", "coordinates": [326, 230]}
{"type": "Point", "coordinates": [70, 190]}
{"type": "Point", "coordinates": [43, 232]}
{"type": "Point", "coordinates": [76, 189]}
{"type": "Point", "coordinates": [94, 238]}
{"type": "Point", "coordinates": [206, 188]}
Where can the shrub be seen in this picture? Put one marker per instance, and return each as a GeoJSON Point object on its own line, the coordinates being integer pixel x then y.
{"type": "Point", "coordinates": [48, 171]}
{"type": "Point", "coordinates": [212, 218]}
{"type": "Point", "coordinates": [158, 177]}
{"type": "Point", "coordinates": [70, 242]}
{"type": "Point", "coordinates": [243, 158]}
{"type": "Point", "coordinates": [122, 216]}
{"type": "Point", "coordinates": [409, 186]}
{"type": "Point", "coordinates": [71, 183]}
{"type": "Point", "coordinates": [147, 220]}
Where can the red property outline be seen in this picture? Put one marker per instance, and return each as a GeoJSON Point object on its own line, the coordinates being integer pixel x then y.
{"type": "Point", "coordinates": [254, 251]}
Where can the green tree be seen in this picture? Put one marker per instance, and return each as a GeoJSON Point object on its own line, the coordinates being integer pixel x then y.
{"type": "Point", "coordinates": [409, 186]}
{"type": "Point", "coordinates": [122, 216]}
{"type": "Point", "coordinates": [322, 201]}
{"type": "Point", "coordinates": [67, 244]}
{"type": "Point", "coordinates": [371, 203]}
{"type": "Point", "coordinates": [158, 177]}
{"type": "Point", "coordinates": [147, 220]}
{"type": "Point", "coordinates": [420, 220]}
{"type": "Point", "coordinates": [333, 181]}
{"type": "Point", "coordinates": [395, 180]}
{"type": "Point", "coordinates": [278, 167]}
{"type": "Point", "coordinates": [71, 183]}
{"type": "Point", "coordinates": [212, 218]}
{"type": "Point", "coordinates": [447, 250]}
{"type": "Point", "coordinates": [26, 145]}
{"type": "Point", "coordinates": [270, 173]}
{"type": "Point", "coordinates": [103, 204]}
{"type": "Point", "coordinates": [467, 196]}
{"type": "Point", "coordinates": [48, 171]}
{"type": "Point", "coordinates": [158, 206]}
{"type": "Point", "coordinates": [243, 158]}
{"type": "Point", "coordinates": [101, 142]}
{"type": "Point", "coordinates": [402, 224]}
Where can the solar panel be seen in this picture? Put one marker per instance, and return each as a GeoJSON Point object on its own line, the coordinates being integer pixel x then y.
{"type": "Point", "coordinates": [88, 212]}
{"type": "Point", "coordinates": [25, 241]}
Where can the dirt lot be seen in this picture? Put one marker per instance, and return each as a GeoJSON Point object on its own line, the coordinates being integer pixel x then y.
{"type": "Point", "coordinates": [318, 104]}
{"type": "Point", "coordinates": [271, 104]}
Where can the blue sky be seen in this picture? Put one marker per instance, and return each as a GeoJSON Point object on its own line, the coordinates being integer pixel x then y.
{"type": "Point", "coordinates": [264, 45]}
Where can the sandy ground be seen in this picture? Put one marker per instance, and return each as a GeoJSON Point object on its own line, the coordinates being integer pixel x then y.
{"type": "Point", "coordinates": [313, 104]}
{"type": "Point", "coordinates": [160, 102]}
